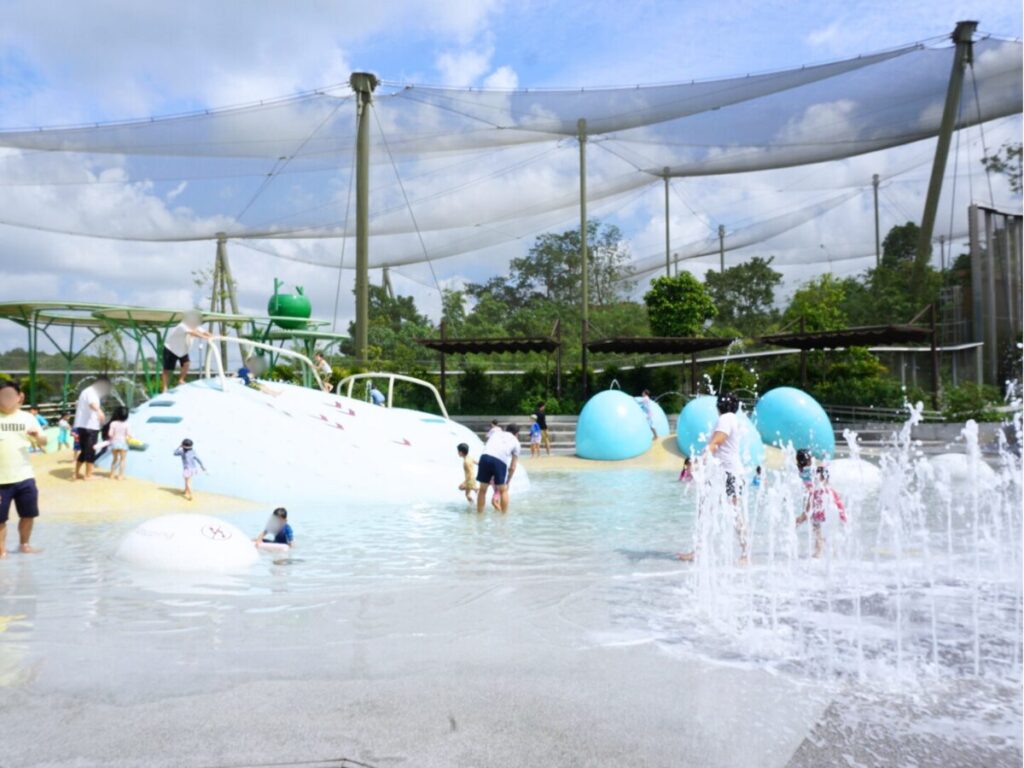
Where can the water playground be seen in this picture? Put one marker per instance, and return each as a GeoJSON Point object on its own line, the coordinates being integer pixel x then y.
{"type": "Point", "coordinates": [629, 610]}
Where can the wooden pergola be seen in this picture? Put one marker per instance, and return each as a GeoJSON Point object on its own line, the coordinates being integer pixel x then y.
{"type": "Point", "coordinates": [661, 345]}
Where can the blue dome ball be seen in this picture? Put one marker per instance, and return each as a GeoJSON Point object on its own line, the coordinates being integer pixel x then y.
{"type": "Point", "coordinates": [658, 418]}
{"type": "Point", "coordinates": [697, 423]}
{"type": "Point", "coordinates": [788, 415]}
{"type": "Point", "coordinates": [612, 427]}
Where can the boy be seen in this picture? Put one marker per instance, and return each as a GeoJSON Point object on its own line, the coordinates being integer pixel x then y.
{"type": "Point", "coordinates": [277, 531]}
{"type": "Point", "coordinates": [535, 433]}
{"type": "Point", "coordinates": [469, 483]}
{"type": "Point", "coordinates": [41, 420]}
{"type": "Point", "coordinates": [324, 369]}
{"type": "Point", "coordinates": [18, 430]}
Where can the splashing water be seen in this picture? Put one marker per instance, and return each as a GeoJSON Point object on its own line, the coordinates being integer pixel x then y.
{"type": "Point", "coordinates": [922, 580]}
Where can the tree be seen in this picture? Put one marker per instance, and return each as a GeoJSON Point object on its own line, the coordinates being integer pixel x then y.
{"type": "Point", "coordinates": [678, 306]}
{"type": "Point", "coordinates": [1007, 161]}
{"type": "Point", "coordinates": [744, 294]}
{"type": "Point", "coordinates": [820, 303]}
{"type": "Point", "coordinates": [900, 245]}
{"type": "Point", "coordinates": [453, 310]}
{"type": "Point", "coordinates": [395, 324]}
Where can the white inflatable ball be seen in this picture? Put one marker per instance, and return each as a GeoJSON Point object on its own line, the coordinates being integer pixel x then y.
{"type": "Point", "coordinates": [854, 476]}
{"type": "Point", "coordinates": [957, 467]}
{"type": "Point", "coordinates": [188, 543]}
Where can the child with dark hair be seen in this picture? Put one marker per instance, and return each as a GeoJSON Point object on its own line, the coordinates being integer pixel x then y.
{"type": "Point", "coordinates": [277, 530]}
{"type": "Point", "coordinates": [822, 498]}
{"type": "Point", "coordinates": [190, 464]}
{"type": "Point", "coordinates": [18, 432]}
{"type": "Point", "coordinates": [468, 485]}
{"type": "Point", "coordinates": [118, 434]}
{"type": "Point", "coordinates": [63, 432]}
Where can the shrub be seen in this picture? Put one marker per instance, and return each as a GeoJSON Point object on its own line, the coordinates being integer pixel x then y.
{"type": "Point", "coordinates": [970, 401]}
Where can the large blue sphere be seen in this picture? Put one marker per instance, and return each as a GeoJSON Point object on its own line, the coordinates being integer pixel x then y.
{"type": "Point", "coordinates": [612, 427]}
{"type": "Point", "coordinates": [658, 418]}
{"type": "Point", "coordinates": [788, 415]}
{"type": "Point", "coordinates": [697, 423]}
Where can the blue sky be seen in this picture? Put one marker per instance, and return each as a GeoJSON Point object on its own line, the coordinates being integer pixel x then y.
{"type": "Point", "coordinates": [69, 62]}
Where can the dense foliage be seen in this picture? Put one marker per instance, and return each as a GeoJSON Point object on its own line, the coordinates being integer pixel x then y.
{"type": "Point", "coordinates": [678, 306]}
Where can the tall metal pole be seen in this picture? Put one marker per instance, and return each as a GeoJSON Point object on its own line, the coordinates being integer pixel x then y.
{"type": "Point", "coordinates": [878, 239]}
{"type": "Point", "coordinates": [668, 254]}
{"type": "Point", "coordinates": [962, 56]}
{"type": "Point", "coordinates": [363, 83]}
{"type": "Point", "coordinates": [581, 132]}
{"type": "Point", "coordinates": [721, 248]}
{"type": "Point", "coordinates": [444, 377]}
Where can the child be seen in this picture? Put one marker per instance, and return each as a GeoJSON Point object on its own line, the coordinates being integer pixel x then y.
{"type": "Point", "coordinates": [119, 436]}
{"type": "Point", "coordinates": [189, 464]}
{"type": "Point", "coordinates": [63, 432]}
{"type": "Point", "coordinates": [686, 476]}
{"type": "Point", "coordinates": [819, 500]}
{"type": "Point", "coordinates": [493, 430]}
{"type": "Point", "coordinates": [756, 482]}
{"type": "Point", "coordinates": [534, 437]}
{"type": "Point", "coordinates": [645, 406]}
{"type": "Point", "coordinates": [41, 421]}
{"type": "Point", "coordinates": [469, 484]}
{"type": "Point", "coordinates": [803, 465]}
{"type": "Point", "coordinates": [18, 431]}
{"type": "Point", "coordinates": [277, 530]}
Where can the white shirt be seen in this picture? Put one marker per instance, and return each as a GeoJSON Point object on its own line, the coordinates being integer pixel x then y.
{"type": "Point", "coordinates": [178, 340]}
{"type": "Point", "coordinates": [728, 453]}
{"type": "Point", "coordinates": [85, 416]}
{"type": "Point", "coordinates": [502, 446]}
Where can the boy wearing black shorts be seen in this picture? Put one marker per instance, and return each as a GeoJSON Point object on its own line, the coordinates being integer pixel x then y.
{"type": "Point", "coordinates": [18, 432]}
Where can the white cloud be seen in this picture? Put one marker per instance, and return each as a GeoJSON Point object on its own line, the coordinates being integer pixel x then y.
{"type": "Point", "coordinates": [465, 67]}
{"type": "Point", "coordinates": [503, 78]}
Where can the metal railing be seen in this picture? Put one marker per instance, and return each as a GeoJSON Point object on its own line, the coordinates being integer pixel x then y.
{"type": "Point", "coordinates": [391, 378]}
{"type": "Point", "coordinates": [213, 352]}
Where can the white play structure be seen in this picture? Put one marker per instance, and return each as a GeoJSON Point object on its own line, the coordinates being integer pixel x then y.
{"type": "Point", "coordinates": [282, 444]}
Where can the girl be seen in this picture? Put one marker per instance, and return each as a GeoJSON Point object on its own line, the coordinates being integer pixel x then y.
{"type": "Point", "coordinates": [190, 465]}
{"type": "Point", "coordinates": [63, 432]}
{"type": "Point", "coordinates": [821, 499]}
{"type": "Point", "coordinates": [119, 436]}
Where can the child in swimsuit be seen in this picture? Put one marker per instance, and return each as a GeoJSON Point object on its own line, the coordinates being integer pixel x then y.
{"type": "Point", "coordinates": [119, 437]}
{"type": "Point", "coordinates": [190, 465]}
{"type": "Point", "coordinates": [277, 530]}
{"type": "Point", "coordinates": [822, 498]}
{"type": "Point", "coordinates": [469, 484]}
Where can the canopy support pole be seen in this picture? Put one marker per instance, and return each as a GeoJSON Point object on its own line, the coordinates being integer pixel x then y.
{"type": "Point", "coordinates": [962, 56]}
{"type": "Point", "coordinates": [668, 248]}
{"type": "Point", "coordinates": [721, 248]}
{"type": "Point", "coordinates": [444, 377]}
{"type": "Point", "coordinates": [693, 374]}
{"type": "Point", "coordinates": [933, 314]}
{"type": "Point", "coordinates": [878, 241]}
{"type": "Point", "coordinates": [803, 356]}
{"type": "Point", "coordinates": [558, 359]}
{"type": "Point", "coordinates": [363, 83]}
{"type": "Point", "coordinates": [581, 132]}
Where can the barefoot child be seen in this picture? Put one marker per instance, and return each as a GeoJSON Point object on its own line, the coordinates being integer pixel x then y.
{"type": "Point", "coordinates": [190, 465]}
{"type": "Point", "coordinates": [468, 485]}
{"type": "Point", "coordinates": [821, 499]}
{"type": "Point", "coordinates": [18, 431]}
{"type": "Point", "coordinates": [63, 432]}
{"type": "Point", "coordinates": [535, 434]}
{"type": "Point", "coordinates": [119, 437]}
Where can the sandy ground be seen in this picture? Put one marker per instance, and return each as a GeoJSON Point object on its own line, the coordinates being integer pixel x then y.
{"type": "Point", "coordinates": [664, 455]}
{"type": "Point", "coordinates": [104, 499]}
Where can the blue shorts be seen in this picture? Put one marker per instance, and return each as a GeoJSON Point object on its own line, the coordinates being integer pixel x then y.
{"type": "Point", "coordinates": [490, 469]}
{"type": "Point", "coordinates": [25, 496]}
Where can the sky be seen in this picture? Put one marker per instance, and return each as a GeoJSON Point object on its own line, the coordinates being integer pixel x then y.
{"type": "Point", "coordinates": [83, 62]}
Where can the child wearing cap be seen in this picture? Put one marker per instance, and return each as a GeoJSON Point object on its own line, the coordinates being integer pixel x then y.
{"type": "Point", "coordinates": [190, 465]}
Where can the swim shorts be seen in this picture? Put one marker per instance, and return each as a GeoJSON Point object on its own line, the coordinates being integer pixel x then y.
{"type": "Point", "coordinates": [733, 487]}
{"type": "Point", "coordinates": [87, 445]}
{"type": "Point", "coordinates": [25, 496]}
{"type": "Point", "coordinates": [171, 360]}
{"type": "Point", "coordinates": [490, 469]}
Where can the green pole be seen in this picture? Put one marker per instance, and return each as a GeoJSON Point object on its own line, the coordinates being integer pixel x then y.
{"type": "Point", "coordinates": [721, 248]}
{"type": "Point", "coordinates": [962, 56]}
{"type": "Point", "coordinates": [581, 130]}
{"type": "Point", "coordinates": [363, 83]}
{"type": "Point", "coordinates": [33, 352]}
{"type": "Point", "coordinates": [878, 241]}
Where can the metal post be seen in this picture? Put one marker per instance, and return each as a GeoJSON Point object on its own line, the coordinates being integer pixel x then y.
{"type": "Point", "coordinates": [693, 374]}
{"type": "Point", "coordinates": [668, 254]}
{"type": "Point", "coordinates": [444, 388]}
{"type": "Point", "coordinates": [558, 359]}
{"type": "Point", "coordinates": [721, 248]}
{"type": "Point", "coordinates": [935, 357]}
{"type": "Point", "coordinates": [942, 257]}
{"type": "Point", "coordinates": [977, 326]}
{"type": "Point", "coordinates": [878, 241]}
{"type": "Point", "coordinates": [961, 57]}
{"type": "Point", "coordinates": [991, 330]}
{"type": "Point", "coordinates": [363, 83]}
{"type": "Point", "coordinates": [581, 132]}
{"type": "Point", "coordinates": [803, 356]}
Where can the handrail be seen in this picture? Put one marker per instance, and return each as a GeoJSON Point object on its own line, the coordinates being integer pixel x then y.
{"type": "Point", "coordinates": [391, 377]}
{"type": "Point", "coordinates": [211, 347]}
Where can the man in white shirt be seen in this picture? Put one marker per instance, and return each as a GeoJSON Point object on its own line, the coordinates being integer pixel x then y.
{"type": "Point", "coordinates": [177, 346]}
{"type": "Point", "coordinates": [89, 418]}
{"type": "Point", "coordinates": [725, 447]}
{"type": "Point", "coordinates": [498, 463]}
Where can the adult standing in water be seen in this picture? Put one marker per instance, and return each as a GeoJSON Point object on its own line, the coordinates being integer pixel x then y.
{"type": "Point", "coordinates": [724, 446]}
{"type": "Point", "coordinates": [498, 463]}
{"type": "Point", "coordinates": [177, 345]}
{"type": "Point", "coordinates": [89, 418]}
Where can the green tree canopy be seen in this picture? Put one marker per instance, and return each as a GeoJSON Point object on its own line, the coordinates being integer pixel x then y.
{"type": "Point", "coordinates": [678, 306]}
{"type": "Point", "coordinates": [1007, 161]}
{"type": "Point", "coordinates": [820, 303]}
{"type": "Point", "coordinates": [745, 294]}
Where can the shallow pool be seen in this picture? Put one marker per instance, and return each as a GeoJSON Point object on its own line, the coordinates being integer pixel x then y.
{"type": "Point", "coordinates": [569, 622]}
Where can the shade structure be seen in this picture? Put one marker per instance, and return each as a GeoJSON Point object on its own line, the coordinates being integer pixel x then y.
{"type": "Point", "coordinates": [490, 346]}
{"type": "Point", "coordinates": [657, 345]}
{"type": "Point", "coordinates": [865, 336]}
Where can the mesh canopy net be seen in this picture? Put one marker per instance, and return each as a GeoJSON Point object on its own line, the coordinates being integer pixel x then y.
{"type": "Point", "coordinates": [454, 171]}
